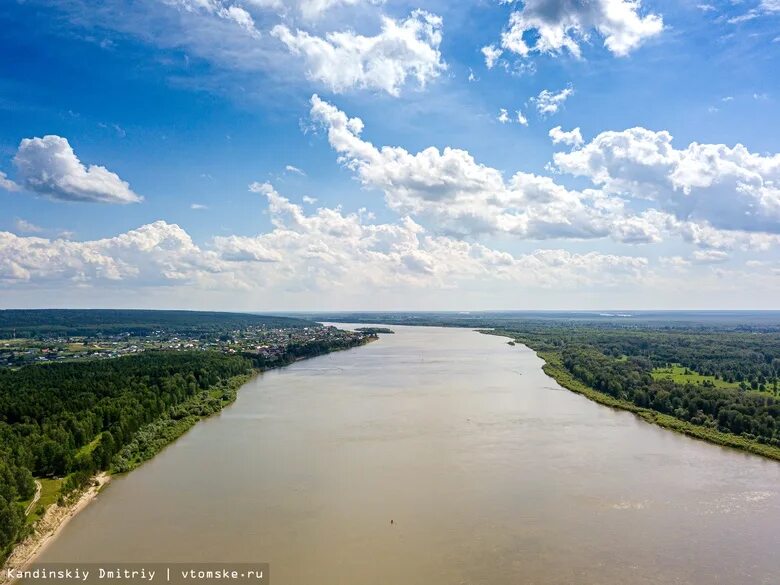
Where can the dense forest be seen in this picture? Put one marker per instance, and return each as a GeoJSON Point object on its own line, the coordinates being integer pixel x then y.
{"type": "Point", "coordinates": [36, 323]}
{"type": "Point", "coordinates": [733, 356]}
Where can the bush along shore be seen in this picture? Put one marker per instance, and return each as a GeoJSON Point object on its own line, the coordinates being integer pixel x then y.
{"type": "Point", "coordinates": [82, 422]}
{"type": "Point", "coordinates": [556, 368]}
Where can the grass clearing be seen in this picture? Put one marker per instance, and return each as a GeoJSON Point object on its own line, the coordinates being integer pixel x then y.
{"type": "Point", "coordinates": [50, 493]}
{"type": "Point", "coordinates": [681, 375]}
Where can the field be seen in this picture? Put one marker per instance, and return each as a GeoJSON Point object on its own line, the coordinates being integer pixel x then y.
{"type": "Point", "coordinates": [680, 375]}
{"type": "Point", "coordinates": [50, 492]}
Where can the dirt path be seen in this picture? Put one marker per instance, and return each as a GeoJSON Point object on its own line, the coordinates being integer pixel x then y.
{"type": "Point", "coordinates": [49, 526]}
{"type": "Point", "coordinates": [35, 498]}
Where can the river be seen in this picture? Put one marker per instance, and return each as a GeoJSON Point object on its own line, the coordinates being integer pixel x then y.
{"type": "Point", "coordinates": [436, 457]}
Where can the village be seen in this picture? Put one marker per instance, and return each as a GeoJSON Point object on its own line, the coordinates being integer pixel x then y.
{"type": "Point", "coordinates": [263, 341]}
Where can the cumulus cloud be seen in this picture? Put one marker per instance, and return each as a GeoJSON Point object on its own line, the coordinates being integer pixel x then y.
{"type": "Point", "coordinates": [572, 138]}
{"type": "Point", "coordinates": [730, 188]}
{"type": "Point", "coordinates": [521, 119]}
{"type": "Point", "coordinates": [555, 26]}
{"type": "Point", "coordinates": [318, 251]}
{"type": "Point", "coordinates": [492, 54]}
{"type": "Point", "coordinates": [461, 197]}
{"type": "Point", "coordinates": [549, 102]}
{"type": "Point", "coordinates": [505, 118]}
{"type": "Point", "coordinates": [464, 197]}
{"type": "Point", "coordinates": [330, 248]}
{"type": "Point", "coordinates": [152, 254]}
{"type": "Point", "coordinates": [403, 49]}
{"type": "Point", "coordinates": [49, 167]}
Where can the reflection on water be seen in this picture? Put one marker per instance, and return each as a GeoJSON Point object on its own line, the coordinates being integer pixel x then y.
{"type": "Point", "coordinates": [489, 473]}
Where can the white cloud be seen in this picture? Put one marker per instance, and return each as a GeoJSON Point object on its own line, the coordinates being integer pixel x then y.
{"type": "Point", "coordinates": [549, 102]}
{"type": "Point", "coordinates": [558, 25]}
{"type": "Point", "coordinates": [309, 200]}
{"type": "Point", "coordinates": [729, 188]}
{"type": "Point", "coordinates": [322, 251]}
{"type": "Point", "coordinates": [505, 118]}
{"type": "Point", "coordinates": [330, 248]}
{"type": "Point", "coordinates": [198, 206]}
{"type": "Point", "coordinates": [403, 49]}
{"type": "Point", "coordinates": [464, 197]}
{"type": "Point", "coordinates": [492, 55]}
{"type": "Point", "coordinates": [770, 5]}
{"type": "Point", "coordinates": [746, 17]}
{"type": "Point", "coordinates": [295, 170]}
{"type": "Point", "coordinates": [7, 184]}
{"type": "Point", "coordinates": [152, 254]}
{"type": "Point", "coordinates": [26, 227]}
{"type": "Point", "coordinates": [314, 9]}
{"type": "Point", "coordinates": [709, 257]}
{"type": "Point", "coordinates": [48, 166]}
{"type": "Point", "coordinates": [229, 12]}
{"type": "Point", "coordinates": [571, 138]}
{"type": "Point", "coordinates": [521, 119]}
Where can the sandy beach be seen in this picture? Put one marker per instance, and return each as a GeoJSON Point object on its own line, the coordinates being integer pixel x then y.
{"type": "Point", "coordinates": [50, 526]}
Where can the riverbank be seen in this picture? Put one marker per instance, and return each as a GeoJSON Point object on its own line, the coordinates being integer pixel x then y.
{"type": "Point", "coordinates": [554, 368]}
{"type": "Point", "coordinates": [51, 524]}
{"type": "Point", "coordinates": [147, 442]}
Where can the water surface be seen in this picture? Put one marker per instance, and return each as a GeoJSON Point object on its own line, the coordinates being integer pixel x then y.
{"type": "Point", "coordinates": [490, 472]}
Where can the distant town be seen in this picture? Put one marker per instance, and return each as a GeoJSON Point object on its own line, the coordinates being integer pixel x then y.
{"type": "Point", "coordinates": [266, 342]}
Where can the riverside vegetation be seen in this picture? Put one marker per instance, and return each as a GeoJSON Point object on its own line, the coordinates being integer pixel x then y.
{"type": "Point", "coordinates": [65, 422]}
{"type": "Point", "coordinates": [720, 386]}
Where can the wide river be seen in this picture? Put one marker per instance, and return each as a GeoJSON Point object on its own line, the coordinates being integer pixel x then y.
{"type": "Point", "coordinates": [490, 472]}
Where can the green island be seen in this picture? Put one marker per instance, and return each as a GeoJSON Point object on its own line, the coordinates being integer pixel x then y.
{"type": "Point", "coordinates": [64, 421]}
{"type": "Point", "coordinates": [374, 330]}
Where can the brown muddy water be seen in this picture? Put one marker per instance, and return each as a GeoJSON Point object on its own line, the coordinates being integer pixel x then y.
{"type": "Point", "coordinates": [489, 471]}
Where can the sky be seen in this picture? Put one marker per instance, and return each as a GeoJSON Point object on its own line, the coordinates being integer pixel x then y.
{"type": "Point", "coordinates": [270, 155]}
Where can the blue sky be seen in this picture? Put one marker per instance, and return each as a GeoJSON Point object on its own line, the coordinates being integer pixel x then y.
{"type": "Point", "coordinates": [168, 153]}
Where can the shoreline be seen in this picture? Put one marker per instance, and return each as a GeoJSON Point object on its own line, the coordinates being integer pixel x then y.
{"type": "Point", "coordinates": [553, 368]}
{"type": "Point", "coordinates": [48, 528]}
{"type": "Point", "coordinates": [56, 517]}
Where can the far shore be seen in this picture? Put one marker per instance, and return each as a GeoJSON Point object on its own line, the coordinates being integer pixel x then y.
{"type": "Point", "coordinates": [50, 526]}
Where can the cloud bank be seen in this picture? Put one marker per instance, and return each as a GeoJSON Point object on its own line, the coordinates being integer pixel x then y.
{"type": "Point", "coordinates": [48, 166]}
